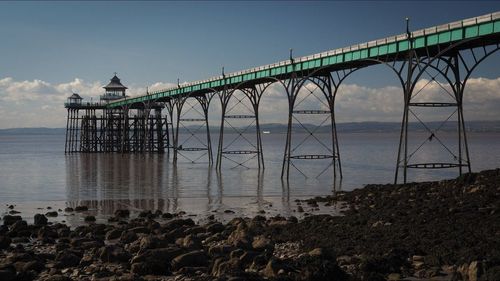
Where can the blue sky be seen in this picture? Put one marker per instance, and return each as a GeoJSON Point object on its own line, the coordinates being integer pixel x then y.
{"type": "Point", "coordinates": [158, 42]}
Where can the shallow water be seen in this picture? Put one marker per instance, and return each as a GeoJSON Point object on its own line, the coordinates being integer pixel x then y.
{"type": "Point", "coordinates": [35, 173]}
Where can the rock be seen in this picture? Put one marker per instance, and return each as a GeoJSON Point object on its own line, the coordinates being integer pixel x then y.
{"type": "Point", "coordinates": [66, 259]}
{"type": "Point", "coordinates": [11, 207]}
{"type": "Point", "coordinates": [300, 209]}
{"type": "Point", "coordinates": [9, 219]}
{"type": "Point", "coordinates": [194, 258]}
{"type": "Point", "coordinates": [154, 261]}
{"type": "Point", "coordinates": [272, 268]}
{"type": "Point", "coordinates": [128, 237]}
{"type": "Point", "coordinates": [34, 265]}
{"type": "Point", "coordinates": [113, 234]}
{"type": "Point", "coordinates": [89, 219]}
{"type": "Point", "coordinates": [215, 227]}
{"type": "Point", "coordinates": [167, 216]}
{"type": "Point", "coordinates": [58, 277]}
{"type": "Point", "coordinates": [46, 232]}
{"type": "Point", "coordinates": [81, 208]}
{"type": "Point", "coordinates": [140, 229]}
{"type": "Point", "coordinates": [177, 223]}
{"type": "Point", "coordinates": [7, 275]}
{"type": "Point", "coordinates": [113, 253]}
{"type": "Point", "coordinates": [320, 264]}
{"type": "Point", "coordinates": [122, 213]}
{"type": "Point", "coordinates": [40, 220]}
{"type": "Point", "coordinates": [144, 268]}
{"type": "Point", "coordinates": [492, 273]}
{"type": "Point", "coordinates": [189, 242]}
{"type": "Point", "coordinates": [475, 270]}
{"type": "Point", "coordinates": [4, 242]}
{"type": "Point", "coordinates": [222, 267]}
{"type": "Point", "coordinates": [51, 214]}
{"type": "Point", "coordinates": [240, 237]}
{"type": "Point", "coordinates": [19, 226]}
{"type": "Point", "coordinates": [69, 209]}
{"type": "Point", "coordinates": [220, 250]}
{"type": "Point", "coordinates": [152, 242]}
{"type": "Point", "coordinates": [261, 243]}
{"type": "Point", "coordinates": [394, 277]}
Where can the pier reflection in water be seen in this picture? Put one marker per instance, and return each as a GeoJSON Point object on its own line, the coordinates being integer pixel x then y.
{"type": "Point", "coordinates": [107, 182]}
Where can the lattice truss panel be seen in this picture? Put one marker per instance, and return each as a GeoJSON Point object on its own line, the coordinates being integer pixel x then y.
{"type": "Point", "coordinates": [313, 149]}
{"type": "Point", "coordinates": [193, 143]}
{"type": "Point", "coordinates": [240, 144]}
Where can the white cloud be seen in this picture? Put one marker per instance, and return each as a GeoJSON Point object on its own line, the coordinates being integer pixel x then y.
{"type": "Point", "coordinates": [39, 103]}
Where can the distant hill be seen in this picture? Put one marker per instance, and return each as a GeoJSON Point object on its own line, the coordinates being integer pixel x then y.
{"type": "Point", "coordinates": [275, 128]}
{"type": "Point", "coordinates": [33, 131]}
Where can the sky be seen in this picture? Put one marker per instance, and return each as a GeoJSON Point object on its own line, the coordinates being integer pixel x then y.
{"type": "Point", "coordinates": [50, 49]}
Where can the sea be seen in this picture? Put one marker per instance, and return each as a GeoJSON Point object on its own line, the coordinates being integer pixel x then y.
{"type": "Point", "coordinates": [36, 176]}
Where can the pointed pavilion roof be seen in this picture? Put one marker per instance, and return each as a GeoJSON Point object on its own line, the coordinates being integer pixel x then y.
{"type": "Point", "coordinates": [114, 84]}
{"type": "Point", "coordinates": [75, 96]}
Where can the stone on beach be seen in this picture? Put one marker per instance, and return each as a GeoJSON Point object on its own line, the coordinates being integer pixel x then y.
{"type": "Point", "coordinates": [40, 220]}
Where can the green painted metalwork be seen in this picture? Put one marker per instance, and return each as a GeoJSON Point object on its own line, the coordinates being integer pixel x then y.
{"type": "Point", "coordinates": [478, 27]}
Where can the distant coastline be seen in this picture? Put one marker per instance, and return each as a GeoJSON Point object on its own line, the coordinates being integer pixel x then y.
{"type": "Point", "coordinates": [275, 128]}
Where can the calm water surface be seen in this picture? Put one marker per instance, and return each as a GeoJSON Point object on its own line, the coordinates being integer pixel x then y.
{"type": "Point", "coordinates": [35, 173]}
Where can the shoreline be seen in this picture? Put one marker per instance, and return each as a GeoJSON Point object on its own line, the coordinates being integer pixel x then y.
{"type": "Point", "coordinates": [442, 230]}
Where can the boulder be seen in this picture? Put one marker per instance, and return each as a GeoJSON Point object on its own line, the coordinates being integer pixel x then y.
{"type": "Point", "coordinates": [152, 242]}
{"type": "Point", "coordinates": [81, 208]}
{"type": "Point", "coordinates": [222, 267]}
{"type": "Point", "coordinates": [240, 237]}
{"type": "Point", "coordinates": [113, 253]}
{"type": "Point", "coordinates": [40, 220]}
{"type": "Point", "coordinates": [272, 268]}
{"type": "Point", "coordinates": [475, 270]}
{"type": "Point", "coordinates": [215, 227]}
{"type": "Point", "coordinates": [261, 243]}
{"type": "Point", "coordinates": [9, 219]}
{"type": "Point", "coordinates": [154, 261]}
{"type": "Point", "coordinates": [46, 232]}
{"type": "Point", "coordinates": [4, 242]}
{"type": "Point", "coordinates": [194, 258]}
{"type": "Point", "coordinates": [113, 234]}
{"type": "Point", "coordinates": [66, 259]}
{"type": "Point", "coordinates": [128, 237]}
{"type": "Point", "coordinates": [33, 265]}
{"type": "Point", "coordinates": [89, 219]}
{"type": "Point", "coordinates": [189, 242]}
{"type": "Point", "coordinates": [220, 250]}
{"type": "Point", "coordinates": [7, 275]}
{"type": "Point", "coordinates": [57, 277]}
{"type": "Point", "coordinates": [122, 213]}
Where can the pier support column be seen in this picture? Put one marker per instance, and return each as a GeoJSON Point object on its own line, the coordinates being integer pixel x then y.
{"type": "Point", "coordinates": [125, 133]}
{"type": "Point", "coordinates": [88, 136]}
{"type": "Point", "coordinates": [241, 105]}
{"type": "Point", "coordinates": [311, 101]}
{"type": "Point", "coordinates": [169, 125]}
{"type": "Point", "coordinates": [437, 82]}
{"type": "Point", "coordinates": [73, 127]}
{"type": "Point", "coordinates": [192, 119]}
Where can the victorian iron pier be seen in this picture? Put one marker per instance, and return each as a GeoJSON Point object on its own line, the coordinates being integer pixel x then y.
{"type": "Point", "coordinates": [442, 56]}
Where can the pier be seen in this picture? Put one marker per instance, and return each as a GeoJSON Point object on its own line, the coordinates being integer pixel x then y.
{"type": "Point", "coordinates": [446, 54]}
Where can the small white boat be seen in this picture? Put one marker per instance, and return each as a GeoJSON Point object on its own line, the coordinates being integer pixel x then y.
{"type": "Point", "coordinates": [266, 132]}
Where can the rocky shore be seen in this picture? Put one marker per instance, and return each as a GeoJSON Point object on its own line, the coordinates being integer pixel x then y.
{"type": "Point", "coordinates": [447, 230]}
